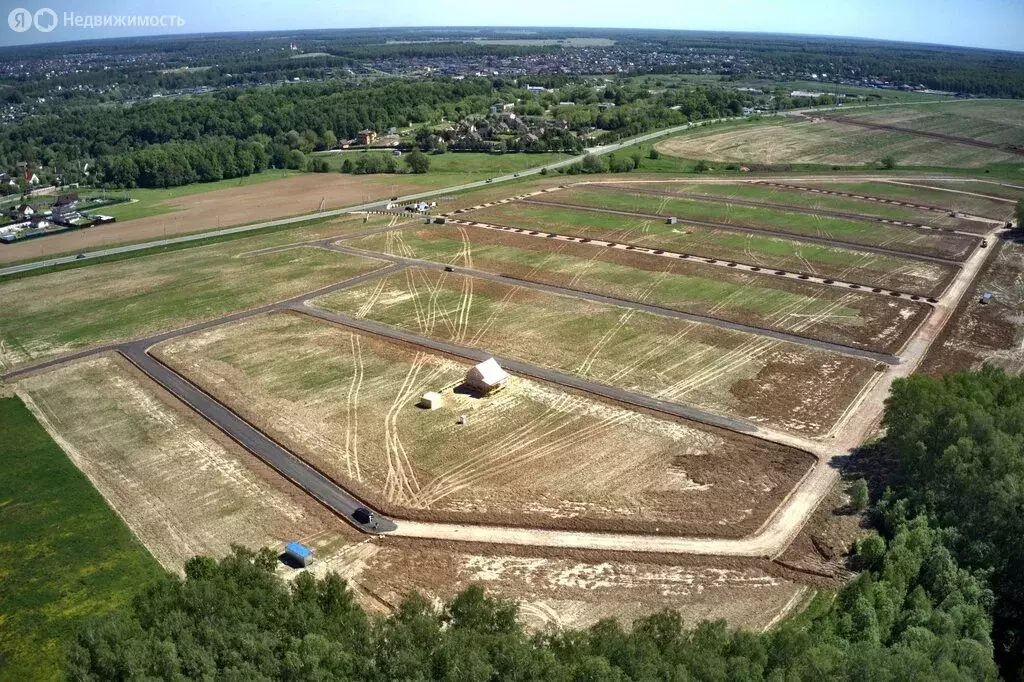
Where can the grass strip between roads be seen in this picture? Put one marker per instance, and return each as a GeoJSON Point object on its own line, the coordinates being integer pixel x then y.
{"type": "Point", "coordinates": [65, 555]}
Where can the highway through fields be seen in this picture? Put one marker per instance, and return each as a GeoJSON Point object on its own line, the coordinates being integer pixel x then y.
{"type": "Point", "coordinates": [128, 248]}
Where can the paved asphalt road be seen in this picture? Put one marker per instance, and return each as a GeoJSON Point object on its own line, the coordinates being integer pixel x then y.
{"type": "Point", "coordinates": [623, 303]}
{"type": "Point", "coordinates": [340, 211]}
{"type": "Point", "coordinates": [331, 495]}
{"type": "Point", "coordinates": [755, 230]}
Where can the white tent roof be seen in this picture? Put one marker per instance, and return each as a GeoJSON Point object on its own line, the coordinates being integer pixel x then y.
{"type": "Point", "coordinates": [489, 372]}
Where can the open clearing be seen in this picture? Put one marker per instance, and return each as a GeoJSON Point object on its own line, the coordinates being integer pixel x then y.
{"type": "Point", "coordinates": [65, 556]}
{"type": "Point", "coordinates": [578, 590]}
{"type": "Point", "coordinates": [658, 199]}
{"type": "Point", "coordinates": [796, 388]}
{"type": "Point", "coordinates": [992, 333]}
{"type": "Point", "coordinates": [994, 121]}
{"type": "Point", "coordinates": [55, 313]}
{"type": "Point", "coordinates": [824, 142]}
{"type": "Point", "coordinates": [183, 488]}
{"type": "Point", "coordinates": [840, 316]}
{"type": "Point", "coordinates": [530, 455]}
{"type": "Point", "coordinates": [941, 195]}
{"type": "Point", "coordinates": [243, 205]}
{"type": "Point", "coordinates": [770, 252]}
{"type": "Point", "coordinates": [760, 191]}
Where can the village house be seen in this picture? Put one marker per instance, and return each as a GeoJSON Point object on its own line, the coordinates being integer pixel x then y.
{"type": "Point", "coordinates": [487, 377]}
{"type": "Point", "coordinates": [366, 137]}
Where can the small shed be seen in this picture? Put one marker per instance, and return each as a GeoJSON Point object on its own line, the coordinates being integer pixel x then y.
{"type": "Point", "coordinates": [672, 221]}
{"type": "Point", "coordinates": [487, 377]}
{"type": "Point", "coordinates": [431, 400]}
{"type": "Point", "coordinates": [299, 553]}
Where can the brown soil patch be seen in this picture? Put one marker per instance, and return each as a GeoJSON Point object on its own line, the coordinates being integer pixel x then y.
{"type": "Point", "coordinates": [991, 333]}
{"type": "Point", "coordinates": [576, 589]}
{"type": "Point", "coordinates": [255, 203]}
{"type": "Point", "coordinates": [530, 456]}
{"type": "Point", "coordinates": [820, 552]}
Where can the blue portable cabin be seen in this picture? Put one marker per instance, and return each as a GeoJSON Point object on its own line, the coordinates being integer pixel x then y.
{"type": "Point", "coordinates": [986, 299]}
{"type": "Point", "coordinates": [299, 553]}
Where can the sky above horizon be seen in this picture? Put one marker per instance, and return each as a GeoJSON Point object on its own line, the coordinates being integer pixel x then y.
{"type": "Point", "coordinates": [995, 24]}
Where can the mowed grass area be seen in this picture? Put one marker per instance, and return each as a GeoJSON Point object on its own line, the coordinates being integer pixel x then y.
{"type": "Point", "coordinates": [532, 454]}
{"type": "Point", "coordinates": [993, 121]}
{"type": "Point", "coordinates": [770, 252]}
{"type": "Point", "coordinates": [786, 385]}
{"type": "Point", "coordinates": [149, 202]}
{"type": "Point", "coordinates": [825, 142]}
{"type": "Point", "coordinates": [65, 556]}
{"type": "Point", "coordinates": [929, 193]}
{"type": "Point", "coordinates": [648, 200]}
{"type": "Point", "coordinates": [757, 191]}
{"type": "Point", "coordinates": [65, 311]}
{"type": "Point", "coordinates": [478, 165]}
{"type": "Point", "coordinates": [994, 189]}
{"type": "Point", "coordinates": [827, 313]}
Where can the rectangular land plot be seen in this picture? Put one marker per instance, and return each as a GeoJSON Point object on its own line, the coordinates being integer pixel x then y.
{"type": "Point", "coordinates": [529, 455]}
{"type": "Point", "coordinates": [775, 253]}
{"type": "Point", "coordinates": [784, 385]}
{"type": "Point", "coordinates": [993, 121]}
{"type": "Point", "coordinates": [992, 188]}
{"type": "Point", "coordinates": [927, 192]}
{"type": "Point", "coordinates": [60, 312]}
{"type": "Point", "coordinates": [825, 142]}
{"type": "Point", "coordinates": [648, 200]}
{"type": "Point", "coordinates": [183, 488]}
{"type": "Point", "coordinates": [812, 201]}
{"type": "Point", "coordinates": [830, 314]}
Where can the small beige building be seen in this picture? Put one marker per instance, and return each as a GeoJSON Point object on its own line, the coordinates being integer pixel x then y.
{"type": "Point", "coordinates": [432, 400]}
{"type": "Point", "coordinates": [487, 377]}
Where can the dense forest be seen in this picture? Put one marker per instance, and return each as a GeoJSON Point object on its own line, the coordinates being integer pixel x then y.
{"type": "Point", "coordinates": [942, 563]}
{"type": "Point", "coordinates": [237, 132]}
{"type": "Point", "coordinates": [957, 447]}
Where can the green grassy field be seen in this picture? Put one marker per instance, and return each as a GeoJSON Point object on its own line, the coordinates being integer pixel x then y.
{"type": "Point", "coordinates": [826, 313]}
{"type": "Point", "coordinates": [752, 191]}
{"type": "Point", "coordinates": [474, 165]}
{"type": "Point", "coordinates": [653, 200]}
{"type": "Point", "coordinates": [993, 121]}
{"type": "Point", "coordinates": [64, 554]}
{"type": "Point", "coordinates": [1006, 191]}
{"type": "Point", "coordinates": [698, 364]}
{"type": "Point", "coordinates": [65, 311]}
{"type": "Point", "coordinates": [920, 192]}
{"type": "Point", "coordinates": [149, 202]}
{"type": "Point", "coordinates": [821, 142]}
{"type": "Point", "coordinates": [834, 262]}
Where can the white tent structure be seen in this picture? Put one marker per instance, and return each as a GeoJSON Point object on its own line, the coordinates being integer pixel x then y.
{"type": "Point", "coordinates": [487, 377]}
